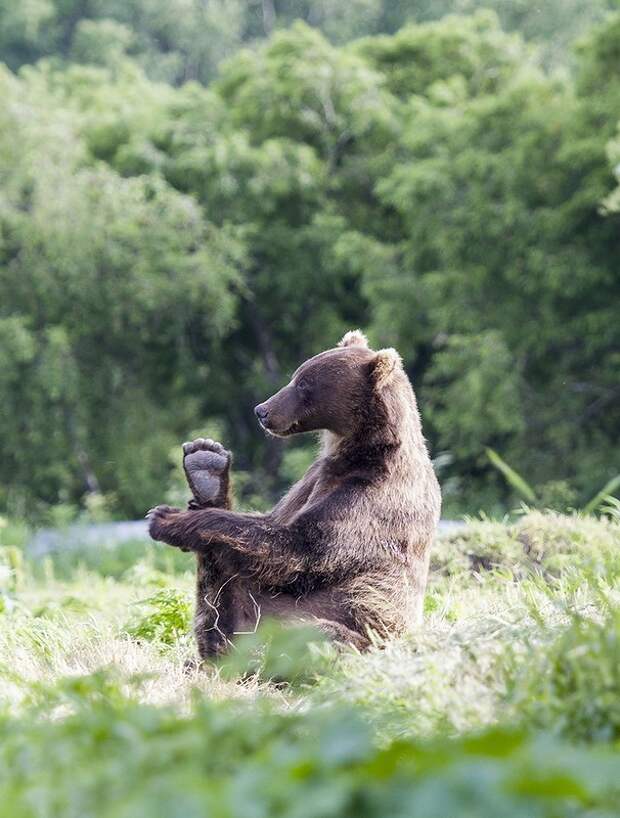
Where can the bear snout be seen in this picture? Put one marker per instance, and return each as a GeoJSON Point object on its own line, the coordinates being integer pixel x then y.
{"type": "Point", "coordinates": [262, 413]}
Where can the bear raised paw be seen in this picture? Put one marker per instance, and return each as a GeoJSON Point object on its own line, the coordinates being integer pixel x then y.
{"type": "Point", "coordinates": [207, 464]}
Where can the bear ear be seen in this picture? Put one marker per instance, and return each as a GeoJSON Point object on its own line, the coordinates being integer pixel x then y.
{"type": "Point", "coordinates": [354, 338]}
{"type": "Point", "coordinates": [383, 366]}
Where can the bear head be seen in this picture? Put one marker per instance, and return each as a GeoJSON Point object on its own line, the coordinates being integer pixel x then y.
{"type": "Point", "coordinates": [339, 390]}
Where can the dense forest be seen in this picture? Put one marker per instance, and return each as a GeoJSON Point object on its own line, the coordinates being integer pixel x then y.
{"type": "Point", "coordinates": [196, 195]}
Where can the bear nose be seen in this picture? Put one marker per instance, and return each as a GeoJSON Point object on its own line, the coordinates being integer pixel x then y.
{"type": "Point", "coordinates": [261, 412]}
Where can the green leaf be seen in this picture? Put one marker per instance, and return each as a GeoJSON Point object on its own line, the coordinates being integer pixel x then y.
{"type": "Point", "coordinates": [602, 496]}
{"type": "Point", "coordinates": [512, 477]}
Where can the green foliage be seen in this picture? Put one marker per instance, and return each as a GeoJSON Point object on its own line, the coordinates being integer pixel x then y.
{"type": "Point", "coordinates": [504, 704]}
{"type": "Point", "coordinates": [169, 253]}
{"type": "Point", "coordinates": [473, 377]}
{"type": "Point", "coordinates": [537, 543]}
{"type": "Point", "coordinates": [572, 686]}
{"type": "Point", "coordinates": [181, 40]}
{"type": "Point", "coordinates": [612, 508]}
{"type": "Point", "coordinates": [602, 496]}
{"type": "Point", "coordinates": [555, 494]}
{"type": "Point", "coordinates": [296, 460]}
{"type": "Point", "coordinates": [166, 617]}
{"type": "Point", "coordinates": [115, 560]}
{"type": "Point", "coordinates": [418, 57]}
{"type": "Point", "coordinates": [294, 654]}
{"type": "Point", "coordinates": [102, 258]}
{"type": "Point", "coordinates": [612, 203]}
{"type": "Point", "coordinates": [111, 758]}
{"type": "Point", "coordinates": [513, 477]}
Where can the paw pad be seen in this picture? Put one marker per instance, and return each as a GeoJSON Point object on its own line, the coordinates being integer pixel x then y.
{"type": "Point", "coordinates": [206, 463]}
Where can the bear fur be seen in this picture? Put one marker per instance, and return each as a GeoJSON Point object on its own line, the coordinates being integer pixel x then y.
{"type": "Point", "coordinates": [347, 548]}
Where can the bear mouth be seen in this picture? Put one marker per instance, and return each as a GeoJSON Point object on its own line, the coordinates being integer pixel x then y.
{"type": "Point", "coordinates": [292, 429]}
{"type": "Point", "coordinates": [289, 430]}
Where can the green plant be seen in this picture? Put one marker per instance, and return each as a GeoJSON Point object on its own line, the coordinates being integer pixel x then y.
{"type": "Point", "coordinates": [554, 489]}
{"type": "Point", "coordinates": [521, 634]}
{"type": "Point", "coordinates": [113, 758]}
{"type": "Point", "coordinates": [166, 617]}
{"type": "Point", "coordinates": [612, 508]}
{"type": "Point", "coordinates": [571, 685]}
{"type": "Point", "coordinates": [115, 559]}
{"type": "Point", "coordinates": [602, 496]}
{"type": "Point", "coordinates": [512, 477]}
{"type": "Point", "coordinates": [277, 653]}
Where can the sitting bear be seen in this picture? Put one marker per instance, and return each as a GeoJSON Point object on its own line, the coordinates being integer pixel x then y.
{"type": "Point", "coordinates": [347, 548]}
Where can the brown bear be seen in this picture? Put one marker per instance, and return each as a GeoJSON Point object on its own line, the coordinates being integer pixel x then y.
{"type": "Point", "coordinates": [347, 547]}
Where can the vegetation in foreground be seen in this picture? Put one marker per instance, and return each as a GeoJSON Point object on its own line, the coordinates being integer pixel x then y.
{"type": "Point", "coordinates": [507, 703]}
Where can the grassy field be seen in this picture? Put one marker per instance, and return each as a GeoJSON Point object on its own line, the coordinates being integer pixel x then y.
{"type": "Point", "coordinates": [506, 703]}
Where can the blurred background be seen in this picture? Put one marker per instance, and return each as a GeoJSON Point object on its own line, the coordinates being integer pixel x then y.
{"type": "Point", "coordinates": [197, 195]}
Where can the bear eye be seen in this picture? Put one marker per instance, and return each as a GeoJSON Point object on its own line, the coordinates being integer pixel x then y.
{"type": "Point", "coordinates": [302, 386]}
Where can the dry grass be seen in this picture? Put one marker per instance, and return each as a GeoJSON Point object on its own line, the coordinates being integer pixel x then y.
{"type": "Point", "coordinates": [77, 627]}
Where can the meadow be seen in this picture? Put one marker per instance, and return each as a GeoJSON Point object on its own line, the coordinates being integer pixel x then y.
{"type": "Point", "coordinates": [505, 703]}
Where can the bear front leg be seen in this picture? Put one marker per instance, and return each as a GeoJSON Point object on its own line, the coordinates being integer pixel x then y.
{"type": "Point", "coordinates": [263, 547]}
{"type": "Point", "coordinates": [162, 527]}
{"type": "Point", "coordinates": [207, 469]}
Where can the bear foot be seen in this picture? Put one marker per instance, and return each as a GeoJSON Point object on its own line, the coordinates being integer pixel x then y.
{"type": "Point", "coordinates": [206, 464]}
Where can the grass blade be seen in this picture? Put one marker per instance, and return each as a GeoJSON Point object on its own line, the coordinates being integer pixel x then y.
{"type": "Point", "coordinates": [512, 477]}
{"type": "Point", "coordinates": [600, 497]}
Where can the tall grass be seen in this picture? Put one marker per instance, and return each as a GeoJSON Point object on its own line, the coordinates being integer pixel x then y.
{"type": "Point", "coordinates": [504, 704]}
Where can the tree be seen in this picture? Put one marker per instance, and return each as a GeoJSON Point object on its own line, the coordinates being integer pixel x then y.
{"type": "Point", "coordinates": [97, 272]}
{"type": "Point", "coordinates": [168, 255]}
{"type": "Point", "coordinates": [506, 257]}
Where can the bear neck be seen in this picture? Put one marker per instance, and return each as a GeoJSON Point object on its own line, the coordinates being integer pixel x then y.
{"type": "Point", "coordinates": [389, 432]}
{"type": "Point", "coordinates": [330, 443]}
